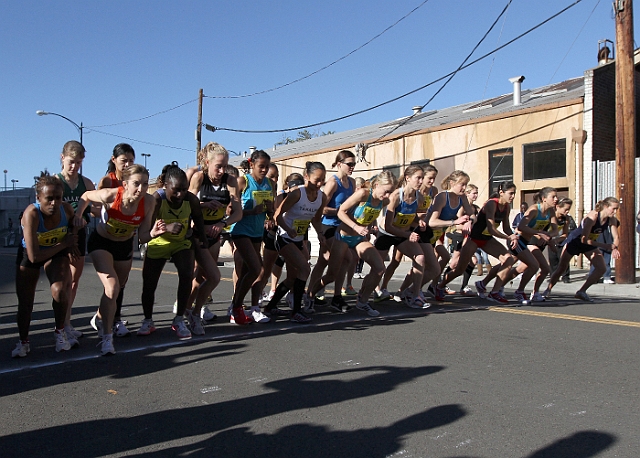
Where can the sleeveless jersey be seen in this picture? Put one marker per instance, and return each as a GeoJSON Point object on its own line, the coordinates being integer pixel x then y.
{"type": "Point", "coordinates": [300, 215]}
{"type": "Point", "coordinates": [254, 194]}
{"type": "Point", "coordinates": [427, 201]}
{"type": "Point", "coordinates": [72, 196]}
{"type": "Point", "coordinates": [365, 213]}
{"type": "Point", "coordinates": [540, 222]}
{"type": "Point", "coordinates": [170, 215]}
{"type": "Point", "coordinates": [596, 230]}
{"type": "Point", "coordinates": [448, 212]}
{"type": "Point", "coordinates": [479, 230]}
{"type": "Point", "coordinates": [404, 213]}
{"type": "Point", "coordinates": [209, 192]}
{"type": "Point", "coordinates": [118, 224]}
{"type": "Point", "coordinates": [339, 196]}
{"type": "Point", "coordinates": [49, 237]}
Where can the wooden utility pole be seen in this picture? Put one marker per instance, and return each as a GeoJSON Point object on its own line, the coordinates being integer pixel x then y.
{"type": "Point", "coordinates": [625, 139]}
{"type": "Point", "coordinates": [199, 128]}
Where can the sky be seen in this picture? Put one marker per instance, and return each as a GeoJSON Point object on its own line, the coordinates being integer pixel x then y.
{"type": "Point", "coordinates": [130, 71]}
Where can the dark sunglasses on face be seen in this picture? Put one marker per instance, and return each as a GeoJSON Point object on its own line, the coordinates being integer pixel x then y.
{"type": "Point", "coordinates": [350, 164]}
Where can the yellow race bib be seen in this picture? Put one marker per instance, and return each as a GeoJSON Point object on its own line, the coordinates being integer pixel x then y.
{"type": "Point", "coordinates": [262, 197]}
{"type": "Point", "coordinates": [401, 220]}
{"type": "Point", "coordinates": [210, 214]}
{"type": "Point", "coordinates": [301, 226]}
{"type": "Point", "coordinates": [52, 237]}
{"type": "Point", "coordinates": [437, 233]}
{"type": "Point", "coordinates": [368, 216]}
{"type": "Point", "coordinates": [120, 229]}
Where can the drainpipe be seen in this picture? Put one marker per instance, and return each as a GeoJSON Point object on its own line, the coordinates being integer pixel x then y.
{"type": "Point", "coordinates": [579, 137]}
{"type": "Point", "coordinates": [517, 82]}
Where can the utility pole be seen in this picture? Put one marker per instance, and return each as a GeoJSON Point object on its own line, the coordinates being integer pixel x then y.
{"type": "Point", "coordinates": [625, 139]}
{"type": "Point", "coordinates": [199, 129]}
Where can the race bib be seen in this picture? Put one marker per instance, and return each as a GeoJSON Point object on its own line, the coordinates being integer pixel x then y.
{"type": "Point", "coordinates": [210, 214]}
{"type": "Point", "coordinates": [437, 233]}
{"type": "Point", "coordinates": [541, 224]}
{"type": "Point", "coordinates": [262, 197]}
{"type": "Point", "coordinates": [301, 226]}
{"type": "Point", "coordinates": [486, 231]}
{"type": "Point", "coordinates": [120, 229]}
{"type": "Point", "coordinates": [52, 237]}
{"type": "Point", "coordinates": [427, 203]}
{"type": "Point", "coordinates": [368, 216]}
{"type": "Point", "coordinates": [594, 237]}
{"type": "Point", "coordinates": [401, 220]}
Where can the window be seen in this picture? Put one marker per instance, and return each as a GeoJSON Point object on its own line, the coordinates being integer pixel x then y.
{"type": "Point", "coordinates": [395, 169]}
{"type": "Point", "coordinates": [545, 160]}
{"type": "Point", "coordinates": [421, 162]}
{"type": "Point", "coordinates": [500, 167]}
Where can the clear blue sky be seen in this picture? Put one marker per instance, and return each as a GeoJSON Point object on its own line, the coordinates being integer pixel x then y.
{"type": "Point", "coordinates": [108, 62]}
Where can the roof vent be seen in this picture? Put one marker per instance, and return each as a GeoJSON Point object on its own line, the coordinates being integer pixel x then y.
{"type": "Point", "coordinates": [417, 109]}
{"type": "Point", "coordinates": [604, 52]}
{"type": "Point", "coordinates": [517, 82]}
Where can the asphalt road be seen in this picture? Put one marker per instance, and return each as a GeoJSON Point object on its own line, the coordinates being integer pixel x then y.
{"type": "Point", "coordinates": [555, 381]}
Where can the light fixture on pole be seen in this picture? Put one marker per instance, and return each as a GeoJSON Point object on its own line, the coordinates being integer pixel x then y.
{"type": "Point", "coordinates": [5, 179]}
{"type": "Point", "coordinates": [145, 155]}
{"type": "Point", "coordinates": [14, 183]}
{"type": "Point", "coordinates": [79, 127]}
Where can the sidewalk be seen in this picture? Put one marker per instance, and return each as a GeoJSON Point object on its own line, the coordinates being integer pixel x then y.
{"type": "Point", "coordinates": [577, 278]}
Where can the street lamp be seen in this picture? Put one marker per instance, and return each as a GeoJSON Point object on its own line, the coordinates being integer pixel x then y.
{"type": "Point", "coordinates": [79, 127]}
{"type": "Point", "coordinates": [14, 184]}
{"type": "Point", "coordinates": [5, 179]}
{"type": "Point", "coordinates": [145, 155]}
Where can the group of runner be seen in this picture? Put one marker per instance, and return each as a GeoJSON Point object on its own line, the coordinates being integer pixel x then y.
{"type": "Point", "coordinates": [193, 212]}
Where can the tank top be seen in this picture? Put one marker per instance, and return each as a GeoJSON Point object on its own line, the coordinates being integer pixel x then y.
{"type": "Point", "coordinates": [448, 212]}
{"type": "Point", "coordinates": [115, 183]}
{"type": "Point", "coordinates": [365, 213]}
{"type": "Point", "coordinates": [72, 196]}
{"type": "Point", "coordinates": [118, 224]}
{"type": "Point", "coordinates": [49, 237]}
{"type": "Point", "coordinates": [596, 230]}
{"type": "Point", "coordinates": [404, 213]}
{"type": "Point", "coordinates": [208, 192]}
{"type": "Point", "coordinates": [300, 215]}
{"type": "Point", "coordinates": [170, 215]}
{"type": "Point", "coordinates": [427, 201]}
{"type": "Point", "coordinates": [339, 196]}
{"type": "Point", "coordinates": [254, 194]}
{"type": "Point", "coordinates": [479, 230]}
{"type": "Point", "coordinates": [540, 222]}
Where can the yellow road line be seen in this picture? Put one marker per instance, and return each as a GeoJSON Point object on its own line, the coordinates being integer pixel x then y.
{"type": "Point", "coordinates": [562, 316]}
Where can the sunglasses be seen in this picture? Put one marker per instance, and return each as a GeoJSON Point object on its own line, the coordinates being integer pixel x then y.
{"type": "Point", "coordinates": [350, 164]}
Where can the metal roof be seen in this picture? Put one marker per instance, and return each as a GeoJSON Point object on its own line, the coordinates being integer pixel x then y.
{"type": "Point", "coordinates": [501, 105]}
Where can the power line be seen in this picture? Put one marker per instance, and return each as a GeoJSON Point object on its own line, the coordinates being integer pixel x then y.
{"type": "Point", "coordinates": [323, 68]}
{"type": "Point", "coordinates": [140, 141]}
{"type": "Point", "coordinates": [495, 50]}
{"type": "Point", "coordinates": [143, 118]}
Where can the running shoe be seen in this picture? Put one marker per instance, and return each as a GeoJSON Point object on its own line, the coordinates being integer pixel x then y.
{"type": "Point", "coordinates": [496, 296]}
{"type": "Point", "coordinates": [62, 344]}
{"type": "Point", "coordinates": [73, 342]}
{"type": "Point", "coordinates": [276, 312]}
{"type": "Point", "coordinates": [583, 296]}
{"type": "Point", "coordinates": [195, 323]}
{"type": "Point", "coordinates": [481, 289]}
{"type": "Point", "coordinates": [521, 298]}
{"type": "Point", "coordinates": [546, 293]}
{"type": "Point", "coordinates": [365, 307]}
{"type": "Point", "coordinates": [181, 329]}
{"type": "Point", "coordinates": [431, 290]}
{"type": "Point", "coordinates": [382, 295]}
{"type": "Point", "coordinates": [70, 330]}
{"type": "Point", "coordinates": [466, 291]}
{"type": "Point", "coordinates": [449, 291]}
{"type": "Point", "coordinates": [349, 291]}
{"type": "Point", "coordinates": [146, 328]}
{"type": "Point", "coordinates": [537, 297]}
{"type": "Point", "coordinates": [308, 305]}
{"type": "Point", "coordinates": [608, 281]}
{"type": "Point", "coordinates": [239, 317]}
{"type": "Point", "coordinates": [96, 323]}
{"type": "Point", "coordinates": [106, 347]}
{"type": "Point", "coordinates": [268, 296]}
{"type": "Point", "coordinates": [258, 316]}
{"type": "Point", "coordinates": [320, 299]}
{"type": "Point", "coordinates": [300, 318]}
{"type": "Point", "coordinates": [440, 294]}
{"type": "Point", "coordinates": [207, 315]}
{"type": "Point", "coordinates": [21, 350]}
{"type": "Point", "coordinates": [120, 329]}
{"type": "Point", "coordinates": [339, 305]}
{"type": "Point", "coordinates": [418, 303]}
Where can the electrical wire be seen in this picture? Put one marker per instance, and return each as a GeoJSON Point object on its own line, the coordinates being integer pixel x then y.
{"type": "Point", "coordinates": [140, 141]}
{"type": "Point", "coordinates": [323, 68]}
{"type": "Point", "coordinates": [495, 50]}
{"type": "Point", "coordinates": [143, 118]}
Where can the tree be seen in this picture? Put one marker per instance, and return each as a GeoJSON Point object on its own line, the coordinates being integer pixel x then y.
{"type": "Point", "coordinates": [303, 135]}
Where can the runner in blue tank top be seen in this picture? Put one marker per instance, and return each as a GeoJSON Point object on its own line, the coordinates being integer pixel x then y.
{"type": "Point", "coordinates": [338, 188]}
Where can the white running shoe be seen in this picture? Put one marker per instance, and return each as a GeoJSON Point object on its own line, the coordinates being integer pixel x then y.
{"type": "Point", "coordinates": [21, 350]}
{"type": "Point", "coordinates": [418, 303]}
{"type": "Point", "coordinates": [146, 328]}
{"type": "Point", "coordinates": [207, 315]}
{"type": "Point", "coordinates": [258, 316]}
{"type": "Point", "coordinates": [521, 297]}
{"type": "Point", "coordinates": [70, 330]}
{"type": "Point", "coordinates": [120, 329]}
{"type": "Point", "coordinates": [180, 327]}
{"type": "Point", "coordinates": [365, 307]}
{"type": "Point", "coordinates": [608, 281]}
{"type": "Point", "coordinates": [71, 339]}
{"type": "Point", "coordinates": [96, 323]}
{"type": "Point", "coordinates": [106, 346]}
{"type": "Point", "coordinates": [481, 289]}
{"type": "Point", "coordinates": [466, 291]}
{"type": "Point", "coordinates": [62, 344]}
{"type": "Point", "coordinates": [382, 295]}
{"type": "Point", "coordinates": [537, 297]}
